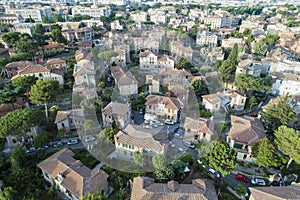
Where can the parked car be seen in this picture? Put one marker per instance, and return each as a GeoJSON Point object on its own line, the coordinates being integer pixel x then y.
{"type": "Point", "coordinates": [141, 111]}
{"type": "Point", "coordinates": [192, 146]}
{"type": "Point", "coordinates": [31, 150]}
{"type": "Point", "coordinates": [170, 122]}
{"type": "Point", "coordinates": [213, 173]}
{"type": "Point", "coordinates": [258, 181]}
{"type": "Point", "coordinates": [72, 142]}
{"type": "Point", "coordinates": [89, 138]}
{"type": "Point", "coordinates": [45, 147]}
{"type": "Point", "coordinates": [277, 183]}
{"type": "Point", "coordinates": [201, 163]}
{"type": "Point", "coordinates": [242, 178]}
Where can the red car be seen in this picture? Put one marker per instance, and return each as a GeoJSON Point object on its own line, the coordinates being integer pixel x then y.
{"type": "Point", "coordinates": [242, 177]}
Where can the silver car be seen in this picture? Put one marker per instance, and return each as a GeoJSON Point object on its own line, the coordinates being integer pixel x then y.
{"type": "Point", "coordinates": [258, 181]}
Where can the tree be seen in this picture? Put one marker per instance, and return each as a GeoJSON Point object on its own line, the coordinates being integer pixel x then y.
{"type": "Point", "coordinates": [3, 62]}
{"type": "Point", "coordinates": [138, 158]}
{"type": "Point", "coordinates": [264, 153]}
{"type": "Point", "coordinates": [178, 166]}
{"type": "Point", "coordinates": [20, 56]}
{"type": "Point", "coordinates": [27, 45]}
{"type": "Point", "coordinates": [25, 82]}
{"type": "Point", "coordinates": [240, 189]}
{"type": "Point", "coordinates": [10, 93]}
{"type": "Point", "coordinates": [159, 162]}
{"type": "Point", "coordinates": [81, 25]}
{"type": "Point", "coordinates": [10, 38]}
{"type": "Point", "coordinates": [7, 193]}
{"type": "Point", "coordinates": [228, 67]}
{"type": "Point", "coordinates": [56, 34]}
{"type": "Point", "coordinates": [278, 114]}
{"type": "Point", "coordinates": [198, 87]}
{"type": "Point", "coordinates": [95, 196]}
{"type": "Point", "coordinates": [107, 93]}
{"type": "Point", "coordinates": [41, 139]}
{"type": "Point", "coordinates": [221, 157]}
{"type": "Point", "coordinates": [183, 63]}
{"type": "Point", "coordinates": [248, 82]}
{"type": "Point", "coordinates": [19, 122]}
{"type": "Point", "coordinates": [246, 32]}
{"type": "Point", "coordinates": [164, 175]}
{"type": "Point", "coordinates": [58, 18]}
{"type": "Point", "coordinates": [29, 20]}
{"type": "Point", "coordinates": [38, 34]}
{"type": "Point", "coordinates": [260, 47]}
{"type": "Point", "coordinates": [107, 134]}
{"type": "Point", "coordinates": [288, 141]}
{"type": "Point", "coordinates": [107, 55]}
{"type": "Point", "coordinates": [18, 156]}
{"type": "Point", "coordinates": [44, 92]}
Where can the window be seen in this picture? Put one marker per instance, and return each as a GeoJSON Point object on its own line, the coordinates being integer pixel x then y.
{"type": "Point", "coordinates": [204, 135]}
{"type": "Point", "coordinates": [245, 156]}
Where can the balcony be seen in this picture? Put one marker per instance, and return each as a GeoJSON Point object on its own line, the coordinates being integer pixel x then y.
{"type": "Point", "coordinates": [240, 148]}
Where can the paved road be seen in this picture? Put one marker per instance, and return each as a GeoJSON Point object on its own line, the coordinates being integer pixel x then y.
{"type": "Point", "coordinates": [232, 182]}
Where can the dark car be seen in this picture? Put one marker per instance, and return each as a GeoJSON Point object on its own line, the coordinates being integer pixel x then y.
{"type": "Point", "coordinates": [277, 183]}
{"type": "Point", "coordinates": [242, 177]}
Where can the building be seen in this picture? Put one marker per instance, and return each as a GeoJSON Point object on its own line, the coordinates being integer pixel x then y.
{"type": "Point", "coordinates": [116, 25]}
{"type": "Point", "coordinates": [212, 102]}
{"type": "Point", "coordinates": [27, 13]}
{"type": "Point", "coordinates": [245, 132]}
{"type": "Point", "coordinates": [119, 113]}
{"type": "Point", "coordinates": [148, 60]}
{"type": "Point", "coordinates": [206, 39]}
{"type": "Point", "coordinates": [94, 11]}
{"type": "Point", "coordinates": [146, 43]}
{"type": "Point", "coordinates": [146, 188]}
{"type": "Point", "coordinates": [179, 50]}
{"type": "Point", "coordinates": [41, 72]}
{"type": "Point", "coordinates": [58, 63]}
{"type": "Point", "coordinates": [71, 178]}
{"type": "Point", "coordinates": [126, 82]}
{"type": "Point", "coordinates": [158, 19]}
{"type": "Point", "coordinates": [229, 43]}
{"type": "Point", "coordinates": [164, 107]}
{"type": "Point", "coordinates": [84, 34]}
{"type": "Point", "coordinates": [136, 138]}
{"type": "Point", "coordinates": [237, 100]}
{"type": "Point", "coordinates": [277, 193]}
{"type": "Point", "coordinates": [152, 83]}
{"type": "Point", "coordinates": [250, 67]}
{"type": "Point", "coordinates": [139, 17]}
{"type": "Point", "coordinates": [201, 129]}
{"type": "Point", "coordinates": [52, 48]}
{"type": "Point", "coordinates": [13, 141]}
{"type": "Point", "coordinates": [9, 18]}
{"type": "Point", "coordinates": [286, 83]}
{"type": "Point", "coordinates": [14, 67]}
{"type": "Point", "coordinates": [69, 120]}
{"type": "Point", "coordinates": [84, 74]}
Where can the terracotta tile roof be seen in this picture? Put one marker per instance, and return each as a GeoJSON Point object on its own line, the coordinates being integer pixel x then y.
{"type": "Point", "coordinates": [122, 77]}
{"type": "Point", "coordinates": [140, 137]}
{"type": "Point", "coordinates": [115, 108]}
{"type": "Point", "coordinates": [57, 71]}
{"type": "Point", "coordinates": [83, 67]}
{"type": "Point", "coordinates": [212, 98]}
{"type": "Point", "coordinates": [55, 61]}
{"type": "Point", "coordinates": [291, 192]}
{"type": "Point", "coordinates": [169, 102]}
{"type": "Point", "coordinates": [19, 64]}
{"type": "Point", "coordinates": [144, 188]}
{"type": "Point", "coordinates": [61, 115]}
{"type": "Point", "coordinates": [146, 53]}
{"type": "Point", "coordinates": [246, 130]}
{"type": "Point", "coordinates": [31, 69]}
{"type": "Point", "coordinates": [201, 125]}
{"type": "Point", "coordinates": [175, 73]}
{"type": "Point", "coordinates": [76, 178]}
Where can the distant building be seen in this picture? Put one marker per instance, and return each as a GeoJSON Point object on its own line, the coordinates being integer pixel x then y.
{"type": "Point", "coordinates": [94, 11]}
{"type": "Point", "coordinates": [206, 38]}
{"type": "Point", "coordinates": [250, 67]}
{"type": "Point", "coordinates": [69, 120]}
{"type": "Point", "coordinates": [286, 83]}
{"type": "Point", "coordinates": [71, 178]}
{"type": "Point", "coordinates": [145, 188]}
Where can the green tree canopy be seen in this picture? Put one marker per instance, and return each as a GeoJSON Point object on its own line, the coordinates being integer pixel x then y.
{"type": "Point", "coordinates": [240, 189]}
{"type": "Point", "coordinates": [9, 93]}
{"type": "Point", "coordinates": [7, 193]}
{"type": "Point", "coordinates": [107, 134]}
{"type": "Point", "coordinates": [288, 141]}
{"type": "Point", "coordinates": [56, 34]}
{"type": "Point", "coordinates": [264, 153]}
{"type": "Point", "coordinates": [228, 67]}
{"type": "Point", "coordinates": [139, 158]}
{"type": "Point", "coordinates": [183, 63]}
{"type": "Point", "coordinates": [41, 139]}
{"type": "Point", "coordinates": [58, 18]}
{"type": "Point", "coordinates": [246, 32]}
{"type": "Point", "coordinates": [221, 157]}
{"type": "Point", "coordinates": [44, 92]}
{"type": "Point", "coordinates": [278, 114]}
{"type": "Point", "coordinates": [38, 34]}
{"type": "Point", "coordinates": [95, 196]}
{"type": "Point", "coordinates": [25, 82]}
{"type": "Point", "coordinates": [248, 82]}
{"type": "Point", "coordinates": [19, 122]}
{"type": "Point", "coordinates": [260, 47]}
